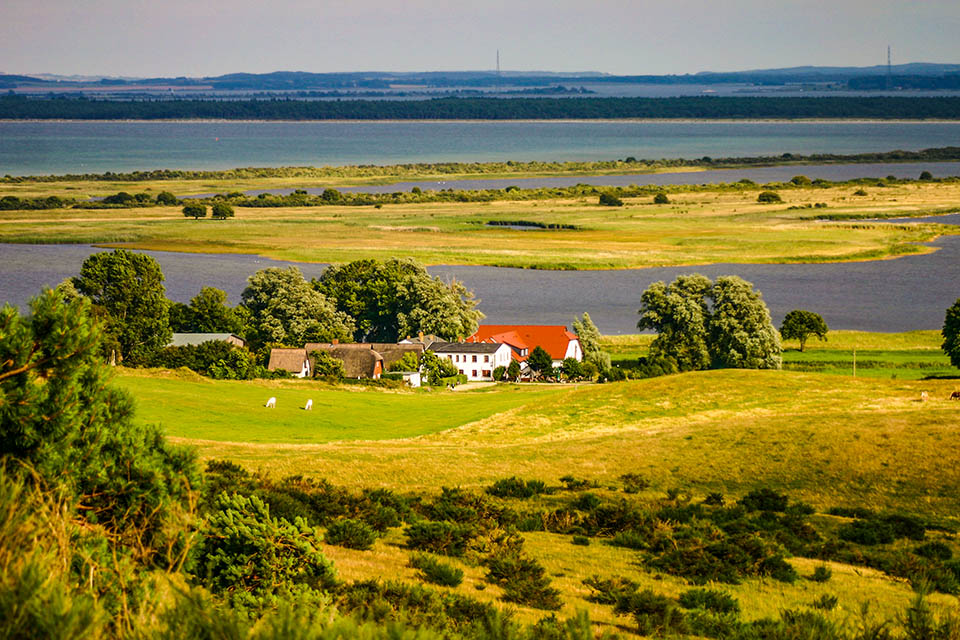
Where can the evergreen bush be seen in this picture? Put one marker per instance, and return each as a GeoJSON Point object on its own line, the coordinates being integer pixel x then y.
{"type": "Point", "coordinates": [352, 534]}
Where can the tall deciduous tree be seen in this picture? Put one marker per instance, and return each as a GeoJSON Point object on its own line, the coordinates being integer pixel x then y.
{"type": "Point", "coordinates": [800, 325]}
{"type": "Point", "coordinates": [208, 312]}
{"type": "Point", "coordinates": [195, 211]}
{"type": "Point", "coordinates": [284, 308]}
{"type": "Point", "coordinates": [221, 211]}
{"type": "Point", "coordinates": [589, 337]}
{"type": "Point", "coordinates": [702, 324]}
{"type": "Point", "coordinates": [679, 313]}
{"type": "Point", "coordinates": [393, 299]}
{"type": "Point", "coordinates": [742, 335]}
{"type": "Point", "coordinates": [951, 334]}
{"type": "Point", "coordinates": [127, 289]}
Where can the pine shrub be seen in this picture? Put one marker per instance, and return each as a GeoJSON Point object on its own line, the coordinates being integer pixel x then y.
{"type": "Point", "coordinates": [445, 538]}
{"type": "Point", "coordinates": [352, 534]}
{"type": "Point", "coordinates": [436, 572]}
{"type": "Point", "coordinates": [709, 600]}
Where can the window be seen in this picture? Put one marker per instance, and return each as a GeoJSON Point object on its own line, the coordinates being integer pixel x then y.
{"type": "Point", "coordinates": [461, 371]}
{"type": "Point", "coordinates": [486, 373]}
{"type": "Point", "coordinates": [486, 358]}
{"type": "Point", "coordinates": [474, 358]}
{"type": "Point", "coordinates": [474, 373]}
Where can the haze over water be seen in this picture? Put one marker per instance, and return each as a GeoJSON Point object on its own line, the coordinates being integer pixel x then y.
{"type": "Point", "coordinates": [59, 147]}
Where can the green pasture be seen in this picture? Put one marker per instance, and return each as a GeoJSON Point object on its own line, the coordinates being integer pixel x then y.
{"type": "Point", "coordinates": [830, 440]}
{"type": "Point", "coordinates": [910, 355]}
{"type": "Point", "coordinates": [234, 411]}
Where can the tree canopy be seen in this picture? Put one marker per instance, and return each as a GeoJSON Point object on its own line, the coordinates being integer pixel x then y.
{"type": "Point", "coordinates": [951, 334]}
{"type": "Point", "coordinates": [539, 360]}
{"type": "Point", "coordinates": [589, 336]}
{"type": "Point", "coordinates": [208, 312]}
{"type": "Point", "coordinates": [127, 290]}
{"type": "Point", "coordinates": [800, 325]}
{"type": "Point", "coordinates": [398, 298]}
{"type": "Point", "coordinates": [284, 308]}
{"type": "Point", "coordinates": [702, 324]}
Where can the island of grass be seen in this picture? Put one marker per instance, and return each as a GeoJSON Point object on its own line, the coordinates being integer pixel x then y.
{"type": "Point", "coordinates": [815, 222]}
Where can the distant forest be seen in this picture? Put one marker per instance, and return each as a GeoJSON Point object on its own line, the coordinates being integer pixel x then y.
{"type": "Point", "coordinates": [15, 107]}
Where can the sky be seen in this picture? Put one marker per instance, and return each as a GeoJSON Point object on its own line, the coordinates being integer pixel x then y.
{"type": "Point", "coordinates": [213, 37]}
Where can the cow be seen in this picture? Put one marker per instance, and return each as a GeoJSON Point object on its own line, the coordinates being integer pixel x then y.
{"type": "Point", "coordinates": [955, 395]}
{"type": "Point", "coordinates": [309, 405]}
{"type": "Point", "coordinates": [272, 403]}
{"type": "Point", "coordinates": [924, 396]}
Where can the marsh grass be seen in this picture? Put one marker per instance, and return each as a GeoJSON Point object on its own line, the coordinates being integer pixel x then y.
{"type": "Point", "coordinates": [698, 227]}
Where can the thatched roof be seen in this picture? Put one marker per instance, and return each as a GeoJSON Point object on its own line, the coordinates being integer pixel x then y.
{"type": "Point", "coordinates": [359, 360]}
{"type": "Point", "coordinates": [287, 359]}
{"type": "Point", "coordinates": [392, 352]}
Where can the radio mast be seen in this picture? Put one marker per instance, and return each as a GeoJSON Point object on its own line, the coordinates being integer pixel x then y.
{"type": "Point", "coordinates": [889, 71]}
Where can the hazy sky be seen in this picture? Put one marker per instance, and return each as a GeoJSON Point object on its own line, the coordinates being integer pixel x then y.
{"type": "Point", "coordinates": [212, 37]}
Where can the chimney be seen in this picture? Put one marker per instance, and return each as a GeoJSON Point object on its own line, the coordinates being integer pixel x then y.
{"type": "Point", "coordinates": [420, 335]}
{"type": "Point", "coordinates": [336, 341]}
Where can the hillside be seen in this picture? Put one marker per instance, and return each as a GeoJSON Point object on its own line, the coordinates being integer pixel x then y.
{"type": "Point", "coordinates": [829, 440]}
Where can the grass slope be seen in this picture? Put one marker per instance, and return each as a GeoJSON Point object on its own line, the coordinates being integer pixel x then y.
{"type": "Point", "coordinates": [698, 227]}
{"type": "Point", "coordinates": [225, 410]}
{"type": "Point", "coordinates": [829, 440]}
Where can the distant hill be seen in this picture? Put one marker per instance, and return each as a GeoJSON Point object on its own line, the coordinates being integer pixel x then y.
{"type": "Point", "coordinates": [377, 80]}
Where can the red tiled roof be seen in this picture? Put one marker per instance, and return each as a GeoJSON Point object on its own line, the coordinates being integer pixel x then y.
{"type": "Point", "coordinates": [553, 338]}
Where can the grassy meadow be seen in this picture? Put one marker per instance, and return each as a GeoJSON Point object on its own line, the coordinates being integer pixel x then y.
{"type": "Point", "coordinates": [829, 440]}
{"type": "Point", "coordinates": [697, 227]}
{"type": "Point", "coordinates": [910, 355]}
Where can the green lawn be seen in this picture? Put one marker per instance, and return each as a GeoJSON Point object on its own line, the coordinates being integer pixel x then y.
{"type": "Point", "coordinates": [233, 411]}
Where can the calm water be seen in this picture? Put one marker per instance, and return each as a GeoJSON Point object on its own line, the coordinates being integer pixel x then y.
{"type": "Point", "coordinates": [35, 148]}
{"type": "Point", "coordinates": [892, 295]}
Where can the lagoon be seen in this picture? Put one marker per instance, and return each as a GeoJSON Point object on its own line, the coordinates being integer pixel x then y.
{"type": "Point", "coordinates": [908, 293]}
{"type": "Point", "coordinates": [60, 147]}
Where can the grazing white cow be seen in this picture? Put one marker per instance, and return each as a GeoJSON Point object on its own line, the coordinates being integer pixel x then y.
{"type": "Point", "coordinates": [924, 396]}
{"type": "Point", "coordinates": [309, 405]}
{"type": "Point", "coordinates": [272, 403]}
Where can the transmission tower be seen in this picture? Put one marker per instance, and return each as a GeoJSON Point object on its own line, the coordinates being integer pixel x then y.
{"type": "Point", "coordinates": [889, 70]}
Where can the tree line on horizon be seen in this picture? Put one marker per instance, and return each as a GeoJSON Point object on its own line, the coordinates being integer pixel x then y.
{"type": "Point", "coordinates": [15, 107]}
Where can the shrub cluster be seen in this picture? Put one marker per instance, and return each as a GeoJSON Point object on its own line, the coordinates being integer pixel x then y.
{"type": "Point", "coordinates": [515, 487]}
{"type": "Point", "coordinates": [434, 571]}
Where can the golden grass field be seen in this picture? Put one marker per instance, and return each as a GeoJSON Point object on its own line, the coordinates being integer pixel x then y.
{"type": "Point", "coordinates": [828, 440]}
{"type": "Point", "coordinates": [824, 439]}
{"type": "Point", "coordinates": [698, 227]}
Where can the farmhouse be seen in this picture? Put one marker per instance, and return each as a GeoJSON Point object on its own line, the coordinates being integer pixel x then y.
{"type": "Point", "coordinates": [294, 361]}
{"type": "Point", "coordinates": [360, 360]}
{"type": "Point", "coordinates": [475, 360]}
{"type": "Point", "coordinates": [183, 339]}
{"type": "Point", "coordinates": [522, 339]}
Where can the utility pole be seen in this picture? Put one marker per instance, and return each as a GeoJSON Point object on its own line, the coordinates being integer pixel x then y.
{"type": "Point", "coordinates": [498, 70]}
{"type": "Point", "coordinates": [854, 362]}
